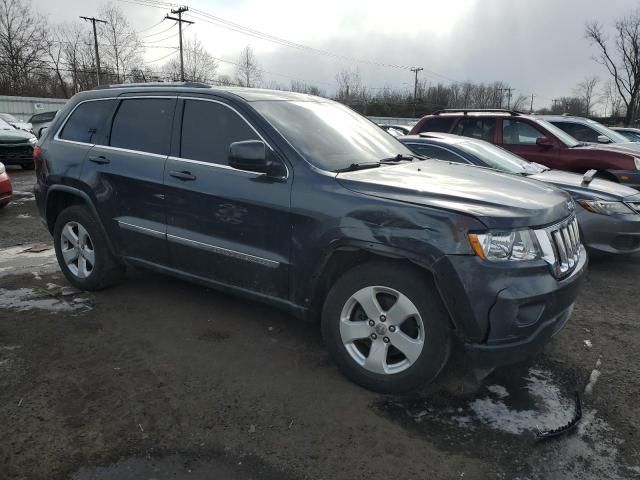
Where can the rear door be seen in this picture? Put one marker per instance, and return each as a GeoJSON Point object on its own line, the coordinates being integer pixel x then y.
{"type": "Point", "coordinates": [520, 136]}
{"type": "Point", "coordinates": [125, 173]}
{"type": "Point", "coordinates": [223, 224]}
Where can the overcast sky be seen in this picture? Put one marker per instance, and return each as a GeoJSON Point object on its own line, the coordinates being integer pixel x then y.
{"type": "Point", "coordinates": [537, 46]}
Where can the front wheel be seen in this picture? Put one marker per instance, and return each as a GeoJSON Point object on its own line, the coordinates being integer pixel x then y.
{"type": "Point", "coordinates": [386, 328]}
{"type": "Point", "coordinates": [82, 251]}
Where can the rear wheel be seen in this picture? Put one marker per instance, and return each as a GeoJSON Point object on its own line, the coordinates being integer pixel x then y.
{"type": "Point", "coordinates": [386, 328]}
{"type": "Point", "coordinates": [82, 251]}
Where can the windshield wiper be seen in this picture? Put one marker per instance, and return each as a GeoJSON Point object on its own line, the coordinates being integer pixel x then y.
{"type": "Point", "coordinates": [358, 166]}
{"type": "Point", "coordinates": [398, 158]}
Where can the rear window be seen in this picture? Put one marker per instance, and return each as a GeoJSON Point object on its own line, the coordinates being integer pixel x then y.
{"type": "Point", "coordinates": [437, 124]}
{"type": "Point", "coordinates": [86, 123]}
{"type": "Point", "coordinates": [144, 125]}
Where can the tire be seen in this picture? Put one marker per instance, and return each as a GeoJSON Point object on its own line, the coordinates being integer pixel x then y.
{"type": "Point", "coordinates": [28, 166]}
{"type": "Point", "coordinates": [426, 321]}
{"type": "Point", "coordinates": [100, 268]}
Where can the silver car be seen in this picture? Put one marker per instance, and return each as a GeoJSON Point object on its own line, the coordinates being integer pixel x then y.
{"type": "Point", "coordinates": [589, 131]}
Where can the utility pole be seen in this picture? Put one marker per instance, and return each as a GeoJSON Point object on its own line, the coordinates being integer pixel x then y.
{"type": "Point", "coordinates": [93, 20]}
{"type": "Point", "coordinates": [509, 90]}
{"type": "Point", "coordinates": [531, 109]}
{"type": "Point", "coordinates": [415, 87]}
{"type": "Point", "coordinates": [179, 12]}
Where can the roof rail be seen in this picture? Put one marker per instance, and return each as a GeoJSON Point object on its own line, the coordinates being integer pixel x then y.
{"type": "Point", "coordinates": [155, 84]}
{"type": "Point", "coordinates": [466, 111]}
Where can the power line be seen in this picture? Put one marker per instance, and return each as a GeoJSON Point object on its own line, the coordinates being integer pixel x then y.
{"type": "Point", "coordinates": [173, 25]}
{"type": "Point", "coordinates": [152, 26]}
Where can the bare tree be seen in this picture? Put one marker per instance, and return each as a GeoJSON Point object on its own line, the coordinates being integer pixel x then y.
{"type": "Point", "coordinates": [248, 71]}
{"type": "Point", "coordinates": [622, 59]}
{"type": "Point", "coordinates": [120, 47]}
{"type": "Point", "coordinates": [199, 65]}
{"type": "Point", "coordinates": [22, 45]}
{"type": "Point", "coordinates": [613, 104]}
{"type": "Point", "coordinates": [520, 103]}
{"type": "Point", "coordinates": [586, 91]}
{"type": "Point", "coordinates": [349, 84]}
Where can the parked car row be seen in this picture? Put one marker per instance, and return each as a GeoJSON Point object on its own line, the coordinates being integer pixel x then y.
{"type": "Point", "coordinates": [16, 146]}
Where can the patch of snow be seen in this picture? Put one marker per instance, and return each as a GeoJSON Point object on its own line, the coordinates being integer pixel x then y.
{"type": "Point", "coordinates": [25, 299]}
{"type": "Point", "coordinates": [16, 261]}
{"type": "Point", "coordinates": [554, 409]}
{"type": "Point", "coordinates": [593, 379]}
{"type": "Point", "coordinates": [499, 390]}
{"type": "Point", "coordinates": [588, 344]}
{"type": "Point", "coordinates": [23, 215]}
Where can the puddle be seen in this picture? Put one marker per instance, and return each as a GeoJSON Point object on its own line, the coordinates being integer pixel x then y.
{"type": "Point", "coordinates": [17, 260]}
{"type": "Point", "coordinates": [500, 422]}
{"type": "Point", "coordinates": [25, 299]}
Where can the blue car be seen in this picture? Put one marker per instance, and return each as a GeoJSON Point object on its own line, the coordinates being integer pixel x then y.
{"type": "Point", "coordinates": [608, 213]}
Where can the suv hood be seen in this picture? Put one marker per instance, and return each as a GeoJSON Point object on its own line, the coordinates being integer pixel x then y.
{"type": "Point", "coordinates": [598, 188]}
{"type": "Point", "coordinates": [500, 201]}
{"type": "Point", "coordinates": [630, 148]}
{"type": "Point", "coordinates": [13, 136]}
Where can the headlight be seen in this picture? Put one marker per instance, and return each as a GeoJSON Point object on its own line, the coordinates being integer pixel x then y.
{"type": "Point", "coordinates": [2, 169]}
{"type": "Point", "coordinates": [637, 162]}
{"type": "Point", "coordinates": [33, 140]}
{"type": "Point", "coordinates": [501, 246]}
{"type": "Point", "coordinates": [606, 208]}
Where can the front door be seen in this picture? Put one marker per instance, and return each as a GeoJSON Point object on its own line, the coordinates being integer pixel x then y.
{"type": "Point", "coordinates": [223, 224]}
{"type": "Point", "coordinates": [519, 136]}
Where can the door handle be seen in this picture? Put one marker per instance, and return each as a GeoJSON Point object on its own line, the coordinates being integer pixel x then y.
{"type": "Point", "coordinates": [184, 176]}
{"type": "Point", "coordinates": [100, 160]}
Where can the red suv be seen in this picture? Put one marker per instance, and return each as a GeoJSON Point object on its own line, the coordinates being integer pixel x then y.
{"type": "Point", "coordinates": [537, 141]}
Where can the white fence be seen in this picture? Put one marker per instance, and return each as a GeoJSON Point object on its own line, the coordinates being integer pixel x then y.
{"type": "Point", "coordinates": [23, 107]}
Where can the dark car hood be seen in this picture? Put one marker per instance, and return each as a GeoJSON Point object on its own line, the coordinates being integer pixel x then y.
{"type": "Point", "coordinates": [500, 201]}
{"type": "Point", "coordinates": [598, 188]}
{"type": "Point", "coordinates": [13, 136]}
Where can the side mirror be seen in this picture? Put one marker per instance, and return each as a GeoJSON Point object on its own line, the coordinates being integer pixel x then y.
{"type": "Point", "coordinates": [544, 142]}
{"type": "Point", "coordinates": [251, 156]}
{"type": "Point", "coordinates": [603, 139]}
{"type": "Point", "coordinates": [42, 131]}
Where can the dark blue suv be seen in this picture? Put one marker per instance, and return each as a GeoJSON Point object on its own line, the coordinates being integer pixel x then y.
{"type": "Point", "coordinates": [299, 201]}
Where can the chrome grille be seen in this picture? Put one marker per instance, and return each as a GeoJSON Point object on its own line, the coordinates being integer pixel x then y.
{"type": "Point", "coordinates": [561, 246]}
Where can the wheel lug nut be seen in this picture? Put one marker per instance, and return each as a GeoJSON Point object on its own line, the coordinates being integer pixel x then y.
{"type": "Point", "coordinates": [392, 328]}
{"type": "Point", "coordinates": [383, 318]}
{"type": "Point", "coordinates": [371, 323]}
{"type": "Point", "coordinates": [386, 340]}
{"type": "Point", "coordinates": [373, 336]}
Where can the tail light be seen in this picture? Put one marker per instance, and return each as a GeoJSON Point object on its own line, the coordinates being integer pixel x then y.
{"type": "Point", "coordinates": [37, 157]}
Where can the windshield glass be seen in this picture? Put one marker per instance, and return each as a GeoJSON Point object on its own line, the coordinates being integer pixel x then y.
{"type": "Point", "coordinates": [561, 135]}
{"type": "Point", "coordinates": [499, 158]}
{"type": "Point", "coordinates": [5, 126]}
{"type": "Point", "coordinates": [329, 135]}
{"type": "Point", "coordinates": [8, 117]}
{"type": "Point", "coordinates": [612, 135]}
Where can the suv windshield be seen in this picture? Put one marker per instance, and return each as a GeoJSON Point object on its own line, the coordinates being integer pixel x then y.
{"type": "Point", "coordinates": [329, 135]}
{"type": "Point", "coordinates": [560, 134]}
{"type": "Point", "coordinates": [499, 158]}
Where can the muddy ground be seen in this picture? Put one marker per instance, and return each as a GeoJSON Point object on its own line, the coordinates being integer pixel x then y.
{"type": "Point", "coordinates": [157, 378]}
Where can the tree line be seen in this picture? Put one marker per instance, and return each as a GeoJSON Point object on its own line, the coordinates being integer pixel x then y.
{"type": "Point", "coordinates": [58, 60]}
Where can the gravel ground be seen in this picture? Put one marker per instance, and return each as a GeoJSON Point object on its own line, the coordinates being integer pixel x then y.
{"type": "Point", "coordinates": [157, 378]}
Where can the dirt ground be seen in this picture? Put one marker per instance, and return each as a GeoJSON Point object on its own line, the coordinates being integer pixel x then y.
{"type": "Point", "coordinates": [157, 378]}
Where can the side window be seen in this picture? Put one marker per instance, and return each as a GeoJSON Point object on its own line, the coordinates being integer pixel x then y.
{"type": "Point", "coordinates": [438, 124]}
{"type": "Point", "coordinates": [583, 133]}
{"type": "Point", "coordinates": [87, 122]}
{"type": "Point", "coordinates": [438, 153]}
{"type": "Point", "coordinates": [517, 132]}
{"type": "Point", "coordinates": [480, 128]}
{"type": "Point", "coordinates": [208, 128]}
{"type": "Point", "coordinates": [143, 124]}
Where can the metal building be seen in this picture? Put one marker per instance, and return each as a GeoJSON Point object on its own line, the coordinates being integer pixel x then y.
{"type": "Point", "coordinates": [23, 107]}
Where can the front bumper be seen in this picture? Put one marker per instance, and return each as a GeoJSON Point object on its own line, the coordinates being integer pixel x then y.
{"type": "Point", "coordinates": [511, 311]}
{"type": "Point", "coordinates": [6, 191]}
{"type": "Point", "coordinates": [630, 178]}
{"type": "Point", "coordinates": [610, 233]}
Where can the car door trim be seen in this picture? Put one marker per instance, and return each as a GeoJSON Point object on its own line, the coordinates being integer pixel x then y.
{"type": "Point", "coordinates": [139, 229]}
{"type": "Point", "coordinates": [223, 251]}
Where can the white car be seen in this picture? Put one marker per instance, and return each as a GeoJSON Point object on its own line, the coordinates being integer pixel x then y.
{"type": "Point", "coordinates": [14, 122]}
